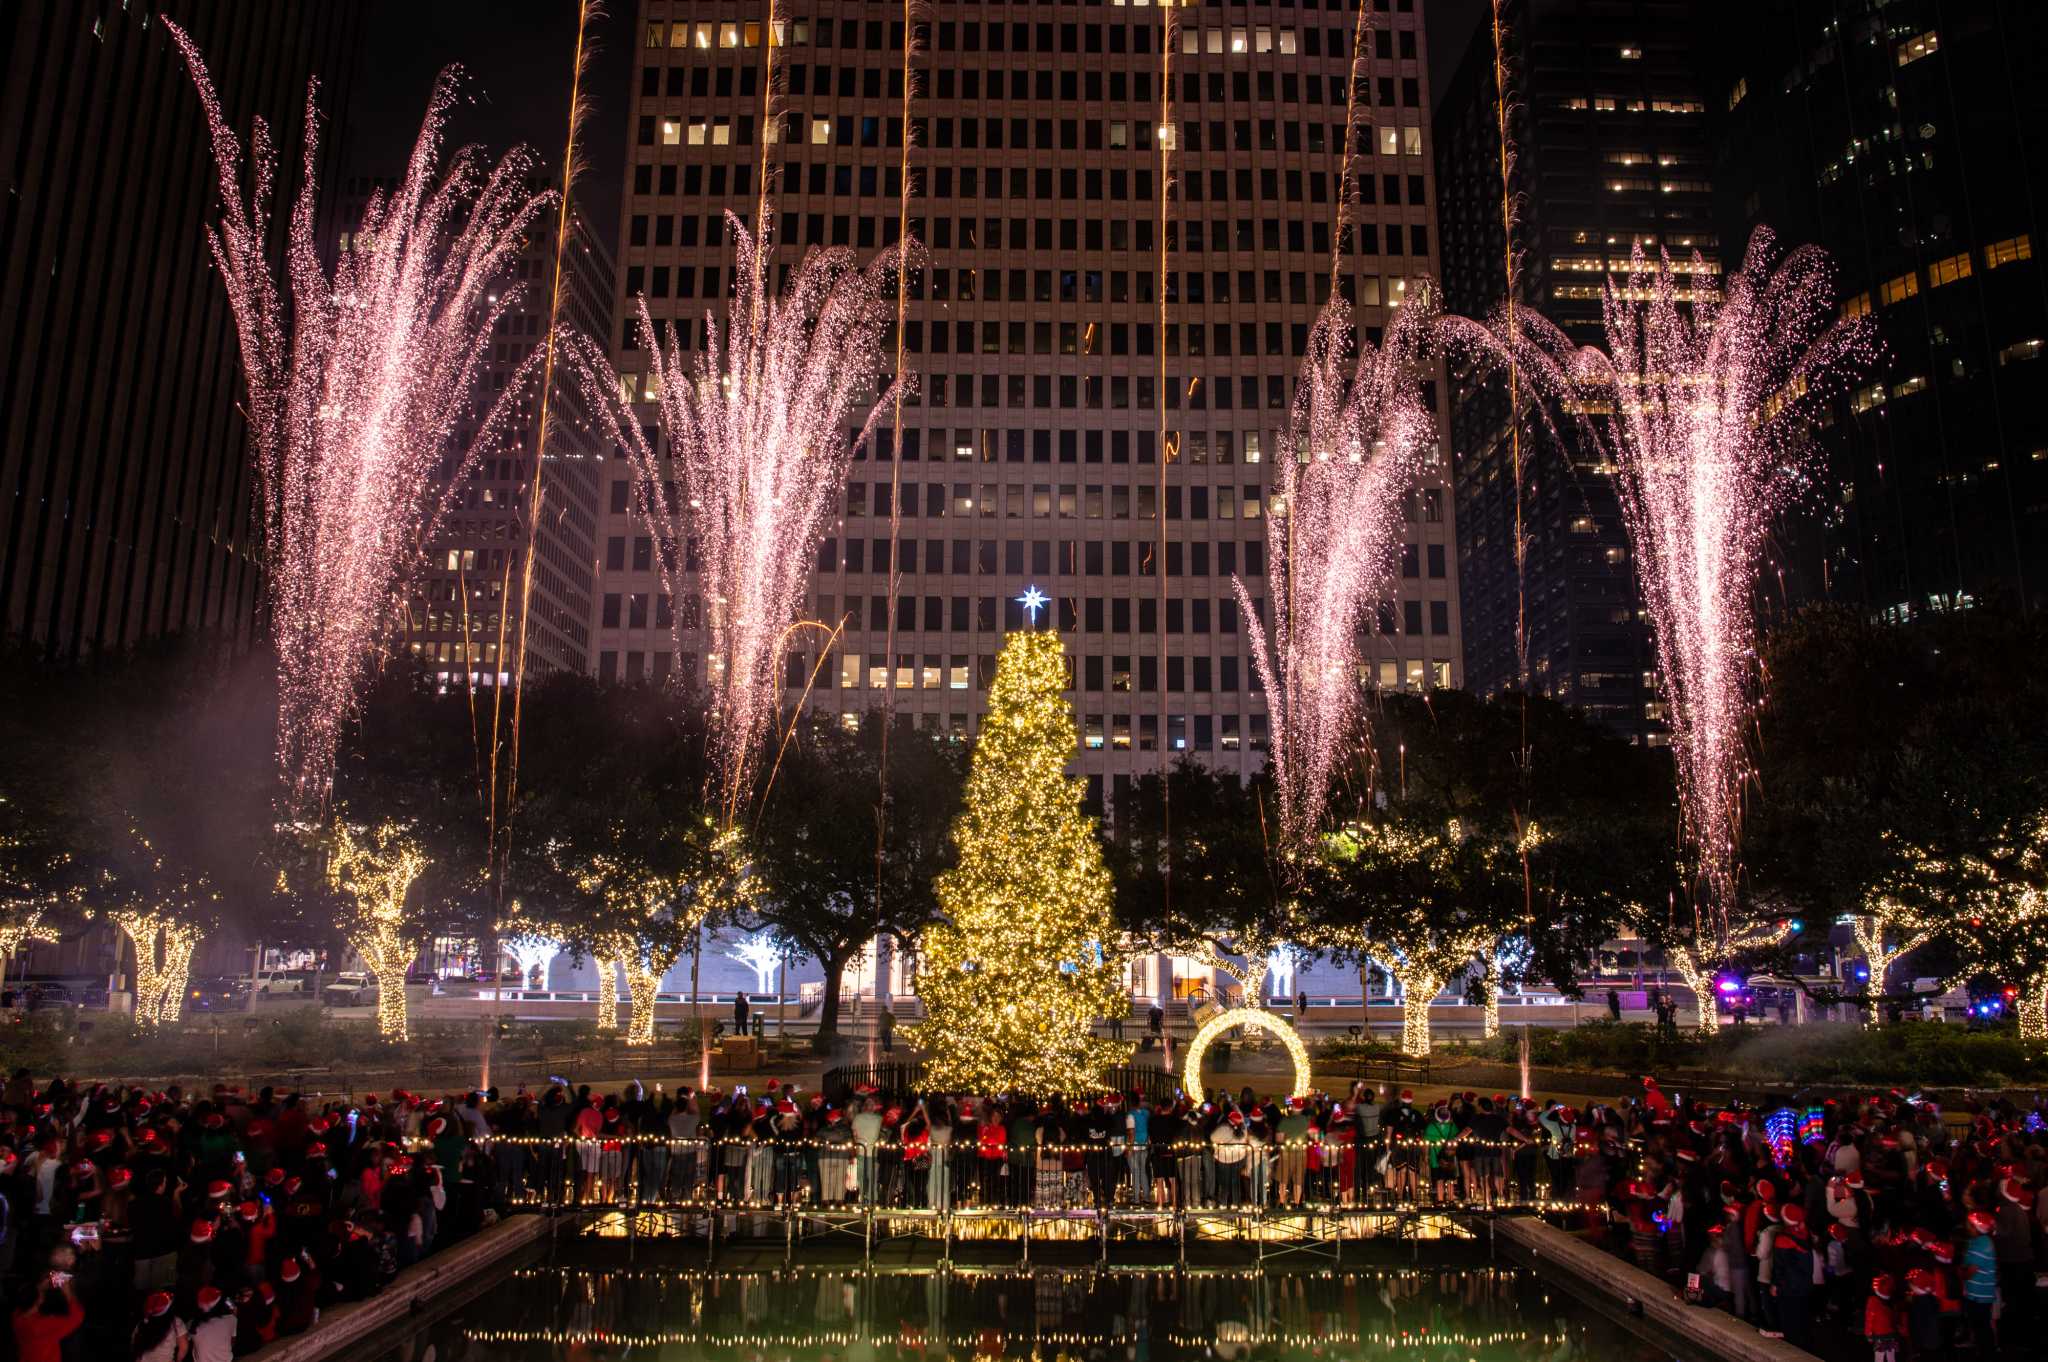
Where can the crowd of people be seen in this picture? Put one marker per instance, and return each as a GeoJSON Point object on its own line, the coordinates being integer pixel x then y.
{"type": "Point", "coordinates": [1877, 1218]}
{"type": "Point", "coordinates": [166, 1225]}
{"type": "Point", "coordinates": [212, 1223]}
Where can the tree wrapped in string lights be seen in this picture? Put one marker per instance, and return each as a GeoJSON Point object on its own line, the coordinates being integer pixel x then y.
{"type": "Point", "coordinates": [1702, 952]}
{"type": "Point", "coordinates": [761, 953]}
{"type": "Point", "coordinates": [758, 427]}
{"type": "Point", "coordinates": [1358, 437]}
{"type": "Point", "coordinates": [2006, 933]}
{"type": "Point", "coordinates": [531, 944]}
{"type": "Point", "coordinates": [373, 869]}
{"type": "Point", "coordinates": [1425, 899]}
{"type": "Point", "coordinates": [360, 384]}
{"type": "Point", "coordinates": [163, 908]}
{"type": "Point", "coordinates": [37, 878]}
{"type": "Point", "coordinates": [642, 894]}
{"type": "Point", "coordinates": [1025, 961]}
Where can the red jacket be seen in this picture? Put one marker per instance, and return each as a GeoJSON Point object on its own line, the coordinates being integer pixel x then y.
{"type": "Point", "coordinates": [1879, 1321]}
{"type": "Point", "coordinates": [39, 1337]}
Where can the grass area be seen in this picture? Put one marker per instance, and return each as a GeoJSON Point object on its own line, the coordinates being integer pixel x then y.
{"type": "Point", "coordinates": [1918, 1053]}
{"type": "Point", "coordinates": [311, 1047]}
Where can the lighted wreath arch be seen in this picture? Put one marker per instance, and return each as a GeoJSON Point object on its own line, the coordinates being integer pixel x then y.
{"type": "Point", "coordinates": [1246, 1016]}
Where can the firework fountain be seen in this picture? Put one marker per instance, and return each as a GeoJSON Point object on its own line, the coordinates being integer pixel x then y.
{"type": "Point", "coordinates": [760, 427]}
{"type": "Point", "coordinates": [1359, 435]}
{"type": "Point", "coordinates": [359, 381]}
{"type": "Point", "coordinates": [1701, 400]}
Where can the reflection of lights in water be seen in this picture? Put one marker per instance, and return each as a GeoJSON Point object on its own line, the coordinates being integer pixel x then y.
{"type": "Point", "coordinates": [1161, 1313]}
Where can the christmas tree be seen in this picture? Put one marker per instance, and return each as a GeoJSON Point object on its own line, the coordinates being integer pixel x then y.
{"type": "Point", "coordinates": [1015, 977]}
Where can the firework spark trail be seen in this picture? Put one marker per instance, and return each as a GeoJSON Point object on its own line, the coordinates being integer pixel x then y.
{"type": "Point", "coordinates": [759, 442]}
{"type": "Point", "coordinates": [580, 108]}
{"type": "Point", "coordinates": [1703, 410]}
{"type": "Point", "coordinates": [1359, 436]}
{"type": "Point", "coordinates": [357, 384]}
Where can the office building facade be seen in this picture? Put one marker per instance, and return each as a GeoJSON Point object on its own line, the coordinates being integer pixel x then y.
{"type": "Point", "coordinates": [126, 492]}
{"type": "Point", "coordinates": [1031, 454]}
{"type": "Point", "coordinates": [462, 622]}
{"type": "Point", "coordinates": [1609, 128]}
{"type": "Point", "coordinates": [1910, 141]}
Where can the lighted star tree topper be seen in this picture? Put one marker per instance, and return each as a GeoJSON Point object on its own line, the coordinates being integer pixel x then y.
{"type": "Point", "coordinates": [1025, 961]}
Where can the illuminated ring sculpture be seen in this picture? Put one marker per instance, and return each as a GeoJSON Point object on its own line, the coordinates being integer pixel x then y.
{"type": "Point", "coordinates": [1245, 1016]}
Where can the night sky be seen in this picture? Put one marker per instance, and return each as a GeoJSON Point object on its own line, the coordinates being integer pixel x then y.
{"type": "Point", "coordinates": [517, 55]}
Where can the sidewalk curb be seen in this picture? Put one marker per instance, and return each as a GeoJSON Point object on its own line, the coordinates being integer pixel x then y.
{"type": "Point", "coordinates": [1636, 1293]}
{"type": "Point", "coordinates": [348, 1326]}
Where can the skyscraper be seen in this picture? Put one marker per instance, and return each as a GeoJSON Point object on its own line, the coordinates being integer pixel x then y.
{"type": "Point", "coordinates": [1608, 125]}
{"type": "Point", "coordinates": [462, 622]}
{"type": "Point", "coordinates": [125, 483]}
{"type": "Point", "coordinates": [1031, 456]}
{"type": "Point", "coordinates": [1910, 141]}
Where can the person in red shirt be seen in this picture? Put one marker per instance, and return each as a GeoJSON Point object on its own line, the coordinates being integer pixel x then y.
{"type": "Point", "coordinates": [41, 1326]}
{"type": "Point", "coordinates": [1881, 1320]}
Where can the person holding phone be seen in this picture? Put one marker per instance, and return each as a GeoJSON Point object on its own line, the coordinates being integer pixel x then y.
{"type": "Point", "coordinates": [49, 1315]}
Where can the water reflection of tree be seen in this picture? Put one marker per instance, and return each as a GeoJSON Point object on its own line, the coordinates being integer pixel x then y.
{"type": "Point", "coordinates": [1052, 1315]}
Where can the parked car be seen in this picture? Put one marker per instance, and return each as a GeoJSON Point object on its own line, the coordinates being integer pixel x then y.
{"type": "Point", "coordinates": [283, 984]}
{"type": "Point", "coordinates": [351, 988]}
{"type": "Point", "coordinates": [226, 993]}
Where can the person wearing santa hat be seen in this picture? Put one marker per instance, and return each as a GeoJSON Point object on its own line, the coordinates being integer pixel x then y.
{"type": "Point", "coordinates": [1923, 1313]}
{"type": "Point", "coordinates": [1792, 1277]}
{"type": "Point", "coordinates": [213, 1326]}
{"type": "Point", "coordinates": [2013, 1238]}
{"type": "Point", "coordinates": [1881, 1318]}
{"type": "Point", "coordinates": [298, 1295]}
{"type": "Point", "coordinates": [160, 1336]}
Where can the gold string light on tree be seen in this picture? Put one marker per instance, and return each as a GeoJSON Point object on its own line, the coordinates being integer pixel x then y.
{"type": "Point", "coordinates": [1699, 962]}
{"type": "Point", "coordinates": [2006, 933]}
{"type": "Point", "coordinates": [1025, 960]}
{"type": "Point", "coordinates": [1415, 889]}
{"type": "Point", "coordinates": [163, 909]}
{"type": "Point", "coordinates": [374, 869]}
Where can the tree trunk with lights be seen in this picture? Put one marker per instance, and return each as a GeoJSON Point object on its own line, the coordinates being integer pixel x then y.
{"type": "Point", "coordinates": [1418, 991]}
{"type": "Point", "coordinates": [2030, 1009]}
{"type": "Point", "coordinates": [1701, 983]}
{"type": "Point", "coordinates": [387, 958]}
{"type": "Point", "coordinates": [175, 974]}
{"type": "Point", "coordinates": [642, 983]}
{"type": "Point", "coordinates": [607, 993]}
{"type": "Point", "coordinates": [1870, 929]}
{"type": "Point", "coordinates": [141, 931]}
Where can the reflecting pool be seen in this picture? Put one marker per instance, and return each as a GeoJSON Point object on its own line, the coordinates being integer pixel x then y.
{"type": "Point", "coordinates": [586, 1304]}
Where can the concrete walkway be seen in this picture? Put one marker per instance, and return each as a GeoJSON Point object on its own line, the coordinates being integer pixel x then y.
{"type": "Point", "coordinates": [1632, 1292]}
{"type": "Point", "coordinates": [414, 1290]}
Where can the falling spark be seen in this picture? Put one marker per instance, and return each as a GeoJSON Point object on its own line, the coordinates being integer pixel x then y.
{"type": "Point", "coordinates": [1704, 411]}
{"type": "Point", "coordinates": [358, 383]}
{"type": "Point", "coordinates": [1359, 435]}
{"type": "Point", "coordinates": [760, 430]}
